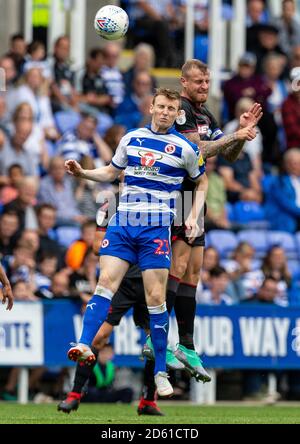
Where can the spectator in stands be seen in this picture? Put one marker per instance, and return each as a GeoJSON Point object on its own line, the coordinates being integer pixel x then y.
{"type": "Point", "coordinates": [295, 57]}
{"type": "Point", "coordinates": [59, 287]}
{"type": "Point", "coordinates": [46, 269]}
{"type": "Point", "coordinates": [101, 383]}
{"type": "Point", "coordinates": [10, 190]}
{"type": "Point", "coordinates": [144, 59]}
{"type": "Point", "coordinates": [76, 252]}
{"type": "Point", "coordinates": [85, 141]}
{"type": "Point", "coordinates": [21, 265]}
{"type": "Point", "coordinates": [9, 228]}
{"type": "Point", "coordinates": [93, 91]}
{"type": "Point", "coordinates": [57, 189]}
{"type": "Point", "coordinates": [8, 65]}
{"type": "Point", "coordinates": [216, 216]}
{"type": "Point", "coordinates": [63, 93]}
{"type": "Point", "coordinates": [291, 111]}
{"type": "Point", "coordinates": [24, 204]}
{"type": "Point", "coordinates": [4, 119]}
{"type": "Point", "coordinates": [17, 52]}
{"type": "Point", "coordinates": [256, 14]}
{"type": "Point", "coordinates": [36, 53]}
{"type": "Point", "coordinates": [14, 152]}
{"type": "Point", "coordinates": [31, 237]}
{"type": "Point", "coordinates": [217, 293]}
{"type": "Point", "coordinates": [35, 145]}
{"type": "Point", "coordinates": [33, 92]}
{"type": "Point", "coordinates": [129, 112]}
{"type": "Point", "coordinates": [268, 43]}
{"type": "Point", "coordinates": [46, 216]}
{"type": "Point", "coordinates": [283, 200]}
{"type": "Point", "coordinates": [83, 281]}
{"type": "Point", "coordinates": [245, 84]}
{"type": "Point", "coordinates": [113, 136]}
{"type": "Point", "coordinates": [275, 266]}
{"type": "Point", "coordinates": [241, 180]}
{"type": "Point", "coordinates": [211, 259]}
{"type": "Point", "coordinates": [22, 292]}
{"type": "Point", "coordinates": [111, 74]}
{"type": "Point", "coordinates": [152, 22]}
{"type": "Point", "coordinates": [244, 272]}
{"type": "Point", "coordinates": [289, 26]}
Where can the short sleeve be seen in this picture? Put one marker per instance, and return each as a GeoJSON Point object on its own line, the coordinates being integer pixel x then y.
{"type": "Point", "coordinates": [194, 164]}
{"type": "Point", "coordinates": [120, 159]}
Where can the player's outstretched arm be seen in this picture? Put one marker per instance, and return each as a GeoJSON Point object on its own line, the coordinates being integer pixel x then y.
{"type": "Point", "coordinates": [104, 174]}
{"type": "Point", "coordinates": [6, 290]}
{"type": "Point", "coordinates": [192, 222]}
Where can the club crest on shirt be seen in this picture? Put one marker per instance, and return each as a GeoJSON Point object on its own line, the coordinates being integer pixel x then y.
{"type": "Point", "coordinates": [105, 243]}
{"type": "Point", "coordinates": [181, 119]}
{"type": "Point", "coordinates": [170, 149]}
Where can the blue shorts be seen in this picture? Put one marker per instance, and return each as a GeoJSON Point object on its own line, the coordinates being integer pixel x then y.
{"type": "Point", "coordinates": [149, 247]}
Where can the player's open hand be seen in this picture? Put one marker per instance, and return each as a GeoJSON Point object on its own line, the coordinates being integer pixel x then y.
{"type": "Point", "coordinates": [73, 168]}
{"type": "Point", "coordinates": [7, 296]}
{"type": "Point", "coordinates": [249, 133]}
{"type": "Point", "coordinates": [251, 117]}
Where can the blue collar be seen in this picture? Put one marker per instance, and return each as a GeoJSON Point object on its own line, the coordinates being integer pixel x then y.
{"type": "Point", "coordinates": [170, 130]}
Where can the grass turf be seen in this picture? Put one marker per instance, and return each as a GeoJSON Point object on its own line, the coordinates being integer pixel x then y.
{"type": "Point", "coordinates": [12, 413]}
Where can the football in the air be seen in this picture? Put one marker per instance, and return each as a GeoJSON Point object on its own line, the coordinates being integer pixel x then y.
{"type": "Point", "coordinates": [111, 22]}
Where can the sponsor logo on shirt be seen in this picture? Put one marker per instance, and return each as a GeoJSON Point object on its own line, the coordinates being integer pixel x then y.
{"type": "Point", "coordinates": [203, 129]}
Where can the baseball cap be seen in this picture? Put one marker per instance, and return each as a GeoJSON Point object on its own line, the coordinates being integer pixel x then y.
{"type": "Point", "coordinates": [248, 58]}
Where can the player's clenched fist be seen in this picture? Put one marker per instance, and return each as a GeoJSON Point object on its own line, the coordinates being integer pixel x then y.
{"type": "Point", "coordinates": [73, 168]}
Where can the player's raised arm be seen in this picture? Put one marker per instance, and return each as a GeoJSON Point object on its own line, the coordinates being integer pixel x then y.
{"type": "Point", "coordinates": [192, 222]}
{"type": "Point", "coordinates": [6, 290]}
{"type": "Point", "coordinates": [104, 174]}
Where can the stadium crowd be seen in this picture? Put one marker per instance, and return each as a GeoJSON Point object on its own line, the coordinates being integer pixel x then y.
{"type": "Point", "coordinates": [50, 113]}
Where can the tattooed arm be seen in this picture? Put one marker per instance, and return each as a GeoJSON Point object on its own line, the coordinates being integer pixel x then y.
{"type": "Point", "coordinates": [229, 146]}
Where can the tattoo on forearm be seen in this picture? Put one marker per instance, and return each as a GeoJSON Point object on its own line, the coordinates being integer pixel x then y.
{"type": "Point", "coordinates": [228, 146]}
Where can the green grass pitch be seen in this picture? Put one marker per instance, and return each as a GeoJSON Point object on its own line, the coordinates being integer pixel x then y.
{"type": "Point", "coordinates": [12, 413]}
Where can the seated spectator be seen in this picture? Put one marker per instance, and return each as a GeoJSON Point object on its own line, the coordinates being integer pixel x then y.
{"type": "Point", "coordinates": [63, 93]}
{"type": "Point", "coordinates": [76, 252]}
{"type": "Point", "coordinates": [32, 92]}
{"type": "Point", "coordinates": [275, 266]}
{"type": "Point", "coordinates": [59, 288]}
{"type": "Point", "coordinates": [35, 144]}
{"type": "Point", "coordinates": [14, 152]}
{"type": "Point", "coordinates": [47, 267]}
{"type": "Point", "coordinates": [9, 192]}
{"type": "Point", "coordinates": [31, 238]}
{"type": "Point", "coordinates": [113, 136]}
{"type": "Point", "coordinates": [85, 141]}
{"type": "Point", "coordinates": [56, 189]}
{"type": "Point", "coordinates": [9, 229]}
{"type": "Point", "coordinates": [268, 293]}
{"type": "Point", "coordinates": [216, 217]}
{"type": "Point", "coordinates": [283, 201]}
{"type": "Point", "coordinates": [246, 276]}
{"type": "Point", "coordinates": [4, 119]}
{"type": "Point", "coordinates": [101, 382]}
{"type": "Point", "coordinates": [291, 112]}
{"type": "Point", "coordinates": [36, 53]}
{"type": "Point", "coordinates": [268, 43]}
{"type": "Point", "coordinates": [22, 292]}
{"type": "Point", "coordinates": [83, 281]}
{"type": "Point", "coordinates": [144, 60]}
{"type": "Point", "coordinates": [21, 265]}
{"type": "Point", "coordinates": [241, 180]}
{"type": "Point", "coordinates": [217, 293]}
{"type": "Point", "coordinates": [129, 112]}
{"type": "Point", "coordinates": [111, 74]}
{"type": "Point", "coordinates": [289, 26]}
{"type": "Point", "coordinates": [91, 86]}
{"type": "Point", "coordinates": [153, 20]}
{"type": "Point", "coordinates": [254, 147]}
{"type": "Point", "coordinates": [8, 65]}
{"type": "Point", "coordinates": [23, 205]}
{"type": "Point", "coordinates": [211, 259]}
{"type": "Point", "coordinates": [46, 217]}
{"type": "Point", "coordinates": [17, 51]}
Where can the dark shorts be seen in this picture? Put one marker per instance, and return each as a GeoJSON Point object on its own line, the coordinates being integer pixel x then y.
{"type": "Point", "coordinates": [130, 295]}
{"type": "Point", "coordinates": [178, 233]}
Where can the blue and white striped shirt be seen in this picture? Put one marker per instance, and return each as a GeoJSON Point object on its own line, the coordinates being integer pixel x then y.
{"type": "Point", "coordinates": [155, 165]}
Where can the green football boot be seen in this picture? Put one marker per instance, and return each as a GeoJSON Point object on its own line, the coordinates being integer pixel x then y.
{"type": "Point", "coordinates": [192, 363]}
{"type": "Point", "coordinates": [172, 362]}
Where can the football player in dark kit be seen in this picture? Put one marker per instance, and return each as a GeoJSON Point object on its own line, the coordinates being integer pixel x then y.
{"type": "Point", "coordinates": [199, 126]}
